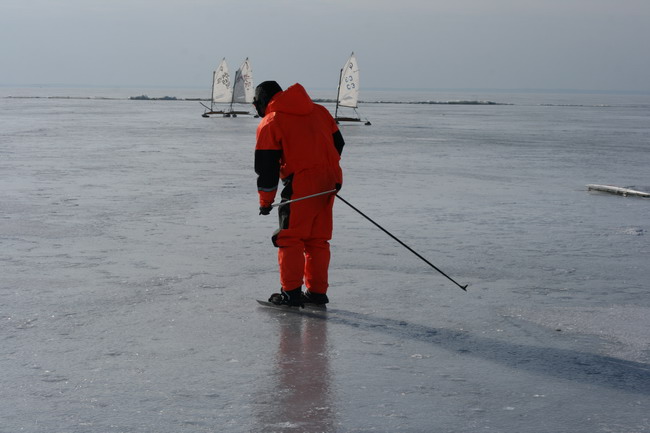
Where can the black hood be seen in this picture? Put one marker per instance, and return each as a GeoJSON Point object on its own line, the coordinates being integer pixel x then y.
{"type": "Point", "coordinates": [263, 94]}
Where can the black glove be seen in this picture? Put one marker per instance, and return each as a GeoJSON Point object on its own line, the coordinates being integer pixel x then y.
{"type": "Point", "coordinates": [338, 187]}
{"type": "Point", "coordinates": [265, 210]}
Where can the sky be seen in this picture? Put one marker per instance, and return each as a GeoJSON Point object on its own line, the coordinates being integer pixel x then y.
{"type": "Point", "coordinates": [437, 44]}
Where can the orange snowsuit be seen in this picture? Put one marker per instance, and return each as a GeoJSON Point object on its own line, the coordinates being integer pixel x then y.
{"type": "Point", "coordinates": [299, 142]}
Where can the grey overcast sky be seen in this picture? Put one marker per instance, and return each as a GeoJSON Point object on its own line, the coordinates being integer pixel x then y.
{"type": "Point", "coordinates": [442, 44]}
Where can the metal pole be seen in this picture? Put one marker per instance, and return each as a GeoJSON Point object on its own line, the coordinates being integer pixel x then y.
{"type": "Point", "coordinates": [402, 243]}
{"type": "Point", "coordinates": [338, 94]}
{"type": "Point", "coordinates": [282, 203]}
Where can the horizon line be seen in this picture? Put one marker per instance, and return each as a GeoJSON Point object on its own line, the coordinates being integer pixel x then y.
{"type": "Point", "coordinates": [369, 88]}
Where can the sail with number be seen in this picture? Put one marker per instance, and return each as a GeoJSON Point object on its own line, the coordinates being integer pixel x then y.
{"type": "Point", "coordinates": [243, 90]}
{"type": "Point", "coordinates": [221, 91]}
{"type": "Point", "coordinates": [349, 87]}
{"type": "Point", "coordinates": [348, 92]}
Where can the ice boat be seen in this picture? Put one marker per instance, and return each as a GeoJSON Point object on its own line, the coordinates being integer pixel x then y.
{"type": "Point", "coordinates": [243, 90]}
{"type": "Point", "coordinates": [348, 91]}
{"type": "Point", "coordinates": [221, 91]}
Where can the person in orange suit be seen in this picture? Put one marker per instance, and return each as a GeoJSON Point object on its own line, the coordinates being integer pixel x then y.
{"type": "Point", "coordinates": [298, 142]}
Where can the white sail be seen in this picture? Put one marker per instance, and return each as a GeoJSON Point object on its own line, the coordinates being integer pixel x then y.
{"type": "Point", "coordinates": [349, 84]}
{"type": "Point", "coordinates": [221, 91]}
{"type": "Point", "coordinates": [243, 90]}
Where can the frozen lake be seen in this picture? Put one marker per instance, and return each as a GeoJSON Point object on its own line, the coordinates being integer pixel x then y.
{"type": "Point", "coordinates": [132, 253]}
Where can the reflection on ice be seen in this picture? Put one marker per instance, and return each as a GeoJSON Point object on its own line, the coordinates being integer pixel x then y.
{"type": "Point", "coordinates": [299, 397]}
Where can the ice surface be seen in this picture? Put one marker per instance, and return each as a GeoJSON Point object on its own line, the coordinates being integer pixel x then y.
{"type": "Point", "coordinates": [132, 253]}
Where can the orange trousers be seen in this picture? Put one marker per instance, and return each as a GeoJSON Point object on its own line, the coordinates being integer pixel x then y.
{"type": "Point", "coordinates": [304, 234]}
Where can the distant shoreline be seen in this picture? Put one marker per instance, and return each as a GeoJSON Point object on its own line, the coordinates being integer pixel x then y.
{"type": "Point", "coordinates": [316, 100]}
{"type": "Point", "coordinates": [639, 92]}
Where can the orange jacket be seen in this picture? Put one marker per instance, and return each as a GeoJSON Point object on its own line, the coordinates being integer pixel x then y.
{"type": "Point", "coordinates": [295, 135]}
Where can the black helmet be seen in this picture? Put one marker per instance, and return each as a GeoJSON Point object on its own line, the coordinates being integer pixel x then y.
{"type": "Point", "coordinates": [263, 94]}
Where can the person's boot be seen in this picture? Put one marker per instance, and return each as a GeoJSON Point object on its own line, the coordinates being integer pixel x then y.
{"type": "Point", "coordinates": [315, 298]}
{"type": "Point", "coordinates": [292, 298]}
